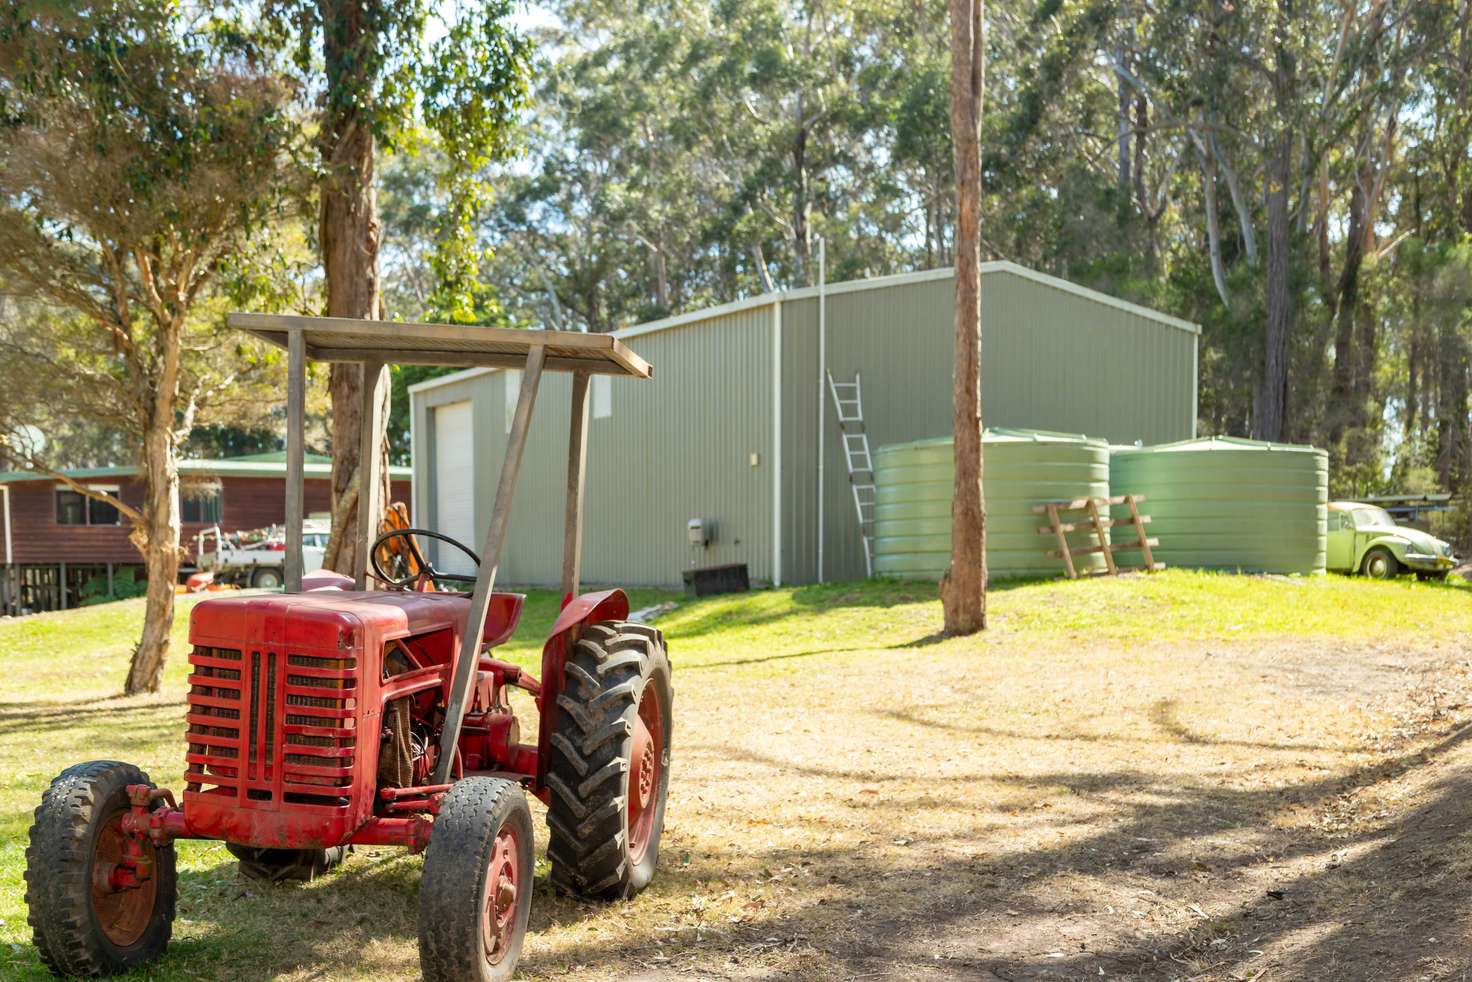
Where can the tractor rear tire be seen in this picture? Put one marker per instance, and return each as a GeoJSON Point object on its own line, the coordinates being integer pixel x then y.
{"type": "Point", "coordinates": [81, 925]}
{"type": "Point", "coordinates": [610, 760]}
{"type": "Point", "coordinates": [276, 865]}
{"type": "Point", "coordinates": [476, 891]}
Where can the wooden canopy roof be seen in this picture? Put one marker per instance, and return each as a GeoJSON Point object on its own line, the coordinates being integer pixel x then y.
{"type": "Point", "coordinates": [399, 343]}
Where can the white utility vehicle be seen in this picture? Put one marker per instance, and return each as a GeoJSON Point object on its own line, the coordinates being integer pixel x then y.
{"type": "Point", "coordinates": [258, 558]}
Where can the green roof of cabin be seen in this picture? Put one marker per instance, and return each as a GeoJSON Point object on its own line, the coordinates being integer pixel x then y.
{"type": "Point", "coordinates": [278, 457]}
{"type": "Point", "coordinates": [271, 464]}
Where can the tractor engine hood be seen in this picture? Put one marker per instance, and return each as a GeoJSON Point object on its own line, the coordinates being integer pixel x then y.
{"type": "Point", "coordinates": [285, 707]}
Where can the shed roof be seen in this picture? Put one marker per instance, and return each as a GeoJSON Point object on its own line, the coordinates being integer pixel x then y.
{"type": "Point", "coordinates": [848, 286]}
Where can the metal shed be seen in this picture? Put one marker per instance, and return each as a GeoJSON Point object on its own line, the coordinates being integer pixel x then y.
{"type": "Point", "coordinates": [728, 431]}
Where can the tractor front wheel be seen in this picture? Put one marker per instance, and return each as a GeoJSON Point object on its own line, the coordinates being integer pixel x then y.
{"type": "Point", "coordinates": [101, 901]}
{"type": "Point", "coordinates": [476, 891]}
{"type": "Point", "coordinates": [610, 761]}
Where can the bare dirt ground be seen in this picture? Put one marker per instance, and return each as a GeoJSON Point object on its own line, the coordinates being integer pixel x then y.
{"type": "Point", "coordinates": [1229, 810]}
{"type": "Point", "coordinates": [1038, 803]}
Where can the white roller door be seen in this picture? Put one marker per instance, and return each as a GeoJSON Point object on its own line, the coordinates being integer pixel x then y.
{"type": "Point", "coordinates": [454, 484]}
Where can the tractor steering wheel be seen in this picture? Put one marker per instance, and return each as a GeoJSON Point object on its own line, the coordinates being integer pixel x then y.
{"type": "Point", "coordinates": [413, 571]}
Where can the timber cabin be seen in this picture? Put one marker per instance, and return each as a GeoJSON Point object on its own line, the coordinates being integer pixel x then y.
{"type": "Point", "coordinates": [56, 540]}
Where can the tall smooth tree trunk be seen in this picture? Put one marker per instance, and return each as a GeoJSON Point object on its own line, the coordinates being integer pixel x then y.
{"type": "Point", "coordinates": [1451, 406]}
{"type": "Point", "coordinates": [349, 241]}
{"type": "Point", "coordinates": [158, 540]}
{"type": "Point", "coordinates": [802, 233]}
{"type": "Point", "coordinates": [1213, 223]}
{"type": "Point", "coordinates": [963, 588]}
{"type": "Point", "coordinates": [1341, 411]}
{"type": "Point", "coordinates": [1272, 408]}
{"type": "Point", "coordinates": [1124, 125]}
{"type": "Point", "coordinates": [1273, 386]}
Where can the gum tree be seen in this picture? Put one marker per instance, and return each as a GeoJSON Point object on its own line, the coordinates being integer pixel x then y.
{"type": "Point", "coordinates": [393, 74]}
{"type": "Point", "coordinates": [963, 589]}
{"type": "Point", "coordinates": [140, 159]}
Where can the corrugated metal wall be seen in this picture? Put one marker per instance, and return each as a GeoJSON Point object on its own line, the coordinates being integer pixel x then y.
{"type": "Point", "coordinates": [679, 446]}
{"type": "Point", "coordinates": [676, 447]}
{"type": "Point", "coordinates": [1051, 360]}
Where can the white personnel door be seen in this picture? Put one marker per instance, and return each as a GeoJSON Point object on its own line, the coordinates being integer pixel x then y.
{"type": "Point", "coordinates": [454, 486]}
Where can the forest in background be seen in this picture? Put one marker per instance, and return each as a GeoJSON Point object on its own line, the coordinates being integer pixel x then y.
{"type": "Point", "coordinates": [1292, 175]}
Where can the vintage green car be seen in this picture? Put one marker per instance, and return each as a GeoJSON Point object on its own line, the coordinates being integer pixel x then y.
{"type": "Point", "coordinates": [1365, 539]}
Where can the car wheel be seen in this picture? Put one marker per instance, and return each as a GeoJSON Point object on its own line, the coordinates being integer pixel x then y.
{"type": "Point", "coordinates": [1381, 564]}
{"type": "Point", "coordinates": [266, 579]}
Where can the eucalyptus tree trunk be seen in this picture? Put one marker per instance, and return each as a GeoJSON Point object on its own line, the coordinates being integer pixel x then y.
{"type": "Point", "coordinates": [157, 536]}
{"type": "Point", "coordinates": [1341, 411]}
{"type": "Point", "coordinates": [158, 540]}
{"type": "Point", "coordinates": [349, 241]}
{"type": "Point", "coordinates": [963, 588]}
{"type": "Point", "coordinates": [1272, 392]}
{"type": "Point", "coordinates": [1273, 385]}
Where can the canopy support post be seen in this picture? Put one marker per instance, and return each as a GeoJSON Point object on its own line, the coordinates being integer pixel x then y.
{"type": "Point", "coordinates": [490, 558]}
{"type": "Point", "coordinates": [577, 461]}
{"type": "Point", "coordinates": [369, 506]}
{"type": "Point", "coordinates": [296, 399]}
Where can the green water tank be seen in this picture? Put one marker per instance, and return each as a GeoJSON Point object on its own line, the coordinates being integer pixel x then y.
{"type": "Point", "coordinates": [912, 516]}
{"type": "Point", "coordinates": [1231, 504]}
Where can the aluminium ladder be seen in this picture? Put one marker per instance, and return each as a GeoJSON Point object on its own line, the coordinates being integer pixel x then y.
{"type": "Point", "coordinates": [848, 400]}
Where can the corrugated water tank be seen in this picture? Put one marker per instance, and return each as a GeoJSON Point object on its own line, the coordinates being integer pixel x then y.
{"type": "Point", "coordinates": [1020, 468]}
{"type": "Point", "coordinates": [1231, 504]}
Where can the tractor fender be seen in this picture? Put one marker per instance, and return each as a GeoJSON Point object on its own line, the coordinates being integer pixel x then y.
{"type": "Point", "coordinates": [589, 608]}
{"type": "Point", "coordinates": [603, 605]}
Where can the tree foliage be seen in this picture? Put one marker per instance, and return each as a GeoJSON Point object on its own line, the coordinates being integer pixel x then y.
{"type": "Point", "coordinates": [143, 162]}
{"type": "Point", "coordinates": [1294, 175]}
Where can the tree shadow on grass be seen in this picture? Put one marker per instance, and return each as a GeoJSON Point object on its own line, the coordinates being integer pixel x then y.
{"type": "Point", "coordinates": [1369, 916]}
{"type": "Point", "coordinates": [766, 608]}
{"type": "Point", "coordinates": [1162, 714]}
{"type": "Point", "coordinates": [43, 717]}
{"type": "Point", "coordinates": [941, 914]}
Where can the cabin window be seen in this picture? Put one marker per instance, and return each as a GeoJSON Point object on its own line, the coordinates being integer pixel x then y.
{"type": "Point", "coordinates": [75, 508]}
{"type": "Point", "coordinates": [102, 513]}
{"type": "Point", "coordinates": [71, 508]}
{"type": "Point", "coordinates": [202, 507]}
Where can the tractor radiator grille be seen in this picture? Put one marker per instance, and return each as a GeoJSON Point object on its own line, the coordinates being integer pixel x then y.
{"type": "Point", "coordinates": [213, 757]}
{"type": "Point", "coordinates": [266, 727]}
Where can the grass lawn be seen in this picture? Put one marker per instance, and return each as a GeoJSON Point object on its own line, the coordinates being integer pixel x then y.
{"type": "Point", "coordinates": [1181, 775]}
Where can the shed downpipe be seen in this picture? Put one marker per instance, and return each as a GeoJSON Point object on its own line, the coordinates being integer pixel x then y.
{"type": "Point", "coordinates": [776, 442]}
{"type": "Point", "coordinates": [1195, 382]}
{"type": "Point", "coordinates": [822, 381]}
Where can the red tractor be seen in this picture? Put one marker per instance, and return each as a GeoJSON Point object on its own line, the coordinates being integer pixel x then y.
{"type": "Point", "coordinates": [371, 712]}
